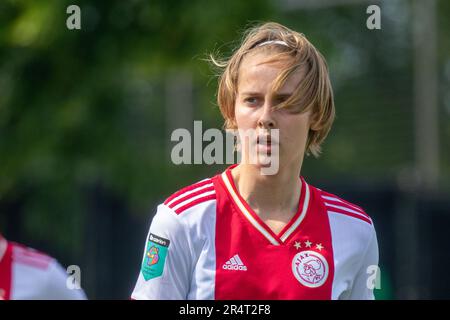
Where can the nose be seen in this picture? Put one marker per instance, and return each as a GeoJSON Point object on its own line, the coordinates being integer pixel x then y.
{"type": "Point", "coordinates": [266, 120]}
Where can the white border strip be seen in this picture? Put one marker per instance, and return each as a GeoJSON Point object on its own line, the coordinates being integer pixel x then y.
{"type": "Point", "coordinates": [339, 200]}
{"type": "Point", "coordinates": [343, 214]}
{"type": "Point", "coordinates": [239, 261]}
{"type": "Point", "coordinates": [188, 193]}
{"type": "Point", "coordinates": [246, 213]}
{"type": "Point", "coordinates": [187, 201]}
{"type": "Point", "coordinates": [302, 215]}
{"type": "Point", "coordinates": [347, 209]}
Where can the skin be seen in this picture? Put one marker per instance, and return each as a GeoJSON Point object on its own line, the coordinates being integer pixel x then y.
{"type": "Point", "coordinates": [273, 197]}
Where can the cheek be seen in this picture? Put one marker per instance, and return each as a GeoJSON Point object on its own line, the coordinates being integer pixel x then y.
{"type": "Point", "coordinates": [243, 118]}
{"type": "Point", "coordinates": [295, 131]}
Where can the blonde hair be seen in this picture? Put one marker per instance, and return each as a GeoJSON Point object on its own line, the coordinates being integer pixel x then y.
{"type": "Point", "coordinates": [314, 92]}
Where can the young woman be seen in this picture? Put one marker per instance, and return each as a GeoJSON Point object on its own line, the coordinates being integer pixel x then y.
{"type": "Point", "coordinates": [247, 235]}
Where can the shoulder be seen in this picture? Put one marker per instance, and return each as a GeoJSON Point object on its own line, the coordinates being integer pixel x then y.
{"type": "Point", "coordinates": [195, 197]}
{"type": "Point", "coordinates": [183, 222]}
{"type": "Point", "coordinates": [40, 276]}
{"type": "Point", "coordinates": [193, 205]}
{"type": "Point", "coordinates": [335, 205]}
{"type": "Point", "coordinates": [352, 229]}
{"type": "Point", "coordinates": [32, 271]}
{"type": "Point", "coordinates": [347, 220]}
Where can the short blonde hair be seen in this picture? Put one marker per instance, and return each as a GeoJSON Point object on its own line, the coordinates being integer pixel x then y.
{"type": "Point", "coordinates": [314, 92]}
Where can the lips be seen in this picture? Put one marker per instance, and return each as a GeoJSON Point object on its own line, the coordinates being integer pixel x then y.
{"type": "Point", "coordinates": [265, 140]}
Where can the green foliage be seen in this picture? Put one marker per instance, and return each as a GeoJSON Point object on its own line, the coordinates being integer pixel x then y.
{"type": "Point", "coordinates": [81, 108]}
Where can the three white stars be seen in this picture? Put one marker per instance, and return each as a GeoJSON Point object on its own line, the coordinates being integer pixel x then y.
{"type": "Point", "coordinates": [308, 244]}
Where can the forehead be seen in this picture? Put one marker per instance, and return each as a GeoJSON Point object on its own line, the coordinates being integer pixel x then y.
{"type": "Point", "coordinates": [259, 71]}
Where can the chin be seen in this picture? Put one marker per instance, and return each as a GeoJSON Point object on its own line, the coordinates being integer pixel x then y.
{"type": "Point", "coordinates": [268, 165]}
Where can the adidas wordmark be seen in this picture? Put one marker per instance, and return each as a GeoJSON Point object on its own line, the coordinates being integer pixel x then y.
{"type": "Point", "coordinates": [235, 263]}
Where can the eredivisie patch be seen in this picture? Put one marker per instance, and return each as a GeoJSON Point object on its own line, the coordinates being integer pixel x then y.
{"type": "Point", "coordinates": [155, 257]}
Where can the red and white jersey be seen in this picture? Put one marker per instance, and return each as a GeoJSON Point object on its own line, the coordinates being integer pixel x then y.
{"type": "Point", "coordinates": [206, 242]}
{"type": "Point", "coordinates": [26, 274]}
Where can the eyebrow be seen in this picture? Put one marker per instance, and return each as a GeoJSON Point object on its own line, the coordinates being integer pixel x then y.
{"type": "Point", "coordinates": [277, 95]}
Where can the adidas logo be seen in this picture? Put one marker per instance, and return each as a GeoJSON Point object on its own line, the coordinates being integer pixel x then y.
{"type": "Point", "coordinates": [235, 263]}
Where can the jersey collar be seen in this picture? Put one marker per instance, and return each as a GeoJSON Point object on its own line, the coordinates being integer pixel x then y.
{"type": "Point", "coordinates": [255, 220]}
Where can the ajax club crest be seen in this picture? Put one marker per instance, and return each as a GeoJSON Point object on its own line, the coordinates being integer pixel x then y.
{"type": "Point", "coordinates": [310, 268]}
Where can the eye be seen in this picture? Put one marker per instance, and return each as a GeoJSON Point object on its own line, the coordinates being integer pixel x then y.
{"type": "Point", "coordinates": [251, 101]}
{"type": "Point", "coordinates": [281, 99]}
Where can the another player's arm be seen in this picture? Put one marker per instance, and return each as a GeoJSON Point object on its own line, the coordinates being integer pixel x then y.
{"type": "Point", "coordinates": [166, 266]}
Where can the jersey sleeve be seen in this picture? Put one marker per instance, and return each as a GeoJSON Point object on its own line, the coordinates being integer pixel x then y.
{"type": "Point", "coordinates": [56, 287]}
{"type": "Point", "coordinates": [166, 266]}
{"type": "Point", "coordinates": [368, 274]}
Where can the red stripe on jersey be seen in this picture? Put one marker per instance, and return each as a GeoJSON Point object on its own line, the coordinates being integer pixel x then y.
{"type": "Point", "coordinates": [357, 216]}
{"type": "Point", "coordinates": [32, 263]}
{"type": "Point", "coordinates": [332, 199]}
{"type": "Point", "coordinates": [345, 210]}
{"type": "Point", "coordinates": [188, 188]}
{"type": "Point", "coordinates": [194, 202]}
{"type": "Point", "coordinates": [6, 273]}
{"type": "Point", "coordinates": [189, 196]}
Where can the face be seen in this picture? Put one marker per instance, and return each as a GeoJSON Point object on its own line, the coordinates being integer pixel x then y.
{"type": "Point", "coordinates": [254, 109]}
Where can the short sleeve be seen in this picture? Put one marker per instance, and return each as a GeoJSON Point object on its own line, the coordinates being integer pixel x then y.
{"type": "Point", "coordinates": [366, 278]}
{"type": "Point", "coordinates": [166, 267]}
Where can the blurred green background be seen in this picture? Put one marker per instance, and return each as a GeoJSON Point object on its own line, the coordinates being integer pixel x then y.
{"type": "Point", "coordinates": [86, 117]}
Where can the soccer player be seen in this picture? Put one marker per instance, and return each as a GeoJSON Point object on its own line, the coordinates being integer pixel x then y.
{"type": "Point", "coordinates": [246, 235]}
{"type": "Point", "coordinates": [26, 274]}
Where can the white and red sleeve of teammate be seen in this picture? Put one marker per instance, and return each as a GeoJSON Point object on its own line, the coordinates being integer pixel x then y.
{"type": "Point", "coordinates": [26, 274]}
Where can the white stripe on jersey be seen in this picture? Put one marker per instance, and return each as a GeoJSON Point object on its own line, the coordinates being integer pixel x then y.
{"type": "Point", "coordinates": [302, 215]}
{"type": "Point", "coordinates": [358, 213]}
{"type": "Point", "coordinates": [339, 200]}
{"type": "Point", "coordinates": [345, 209]}
{"type": "Point", "coordinates": [189, 200]}
{"type": "Point", "coordinates": [188, 193]}
{"type": "Point", "coordinates": [343, 214]}
{"type": "Point", "coordinates": [239, 261]}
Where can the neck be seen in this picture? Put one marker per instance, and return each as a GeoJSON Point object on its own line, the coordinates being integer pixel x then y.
{"type": "Point", "coordinates": [270, 196]}
{"type": "Point", "coordinates": [3, 245]}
